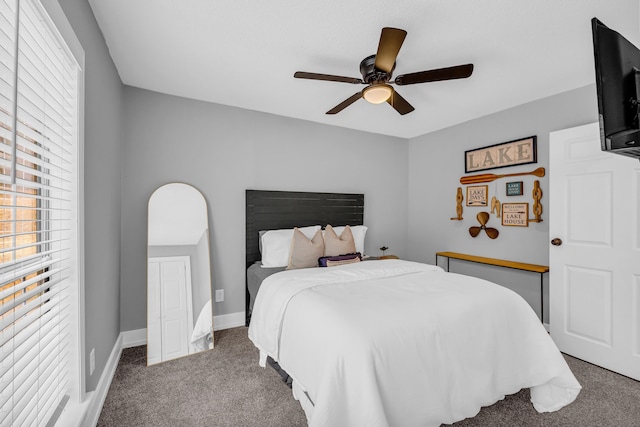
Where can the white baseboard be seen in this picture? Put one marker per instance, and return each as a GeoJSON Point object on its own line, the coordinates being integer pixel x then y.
{"type": "Point", "coordinates": [224, 321]}
{"type": "Point", "coordinates": [134, 338]}
{"type": "Point", "coordinates": [228, 321]}
{"type": "Point", "coordinates": [97, 397]}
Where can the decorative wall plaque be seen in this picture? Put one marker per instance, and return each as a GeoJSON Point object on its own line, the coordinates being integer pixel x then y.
{"type": "Point", "coordinates": [514, 188]}
{"type": "Point", "coordinates": [518, 152]}
{"type": "Point", "coordinates": [477, 195]}
{"type": "Point", "coordinates": [515, 214]}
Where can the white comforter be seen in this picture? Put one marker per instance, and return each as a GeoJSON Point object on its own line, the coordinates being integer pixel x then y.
{"type": "Point", "coordinates": [397, 343]}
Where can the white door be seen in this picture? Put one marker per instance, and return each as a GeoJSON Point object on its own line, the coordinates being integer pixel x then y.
{"type": "Point", "coordinates": [594, 291]}
{"type": "Point", "coordinates": [170, 312]}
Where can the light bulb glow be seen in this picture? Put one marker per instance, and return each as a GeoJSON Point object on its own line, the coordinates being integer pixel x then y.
{"type": "Point", "coordinates": [377, 93]}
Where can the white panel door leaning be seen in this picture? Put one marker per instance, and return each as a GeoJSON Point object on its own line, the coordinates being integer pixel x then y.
{"type": "Point", "coordinates": [169, 308]}
{"type": "Point", "coordinates": [594, 291]}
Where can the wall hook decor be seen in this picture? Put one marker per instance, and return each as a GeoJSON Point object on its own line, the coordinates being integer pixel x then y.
{"type": "Point", "coordinates": [537, 206]}
{"type": "Point", "coordinates": [483, 218]}
{"type": "Point", "coordinates": [495, 206]}
{"type": "Point", "coordinates": [459, 199]}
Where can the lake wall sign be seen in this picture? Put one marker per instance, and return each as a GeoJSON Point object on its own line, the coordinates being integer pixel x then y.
{"type": "Point", "coordinates": [518, 152]}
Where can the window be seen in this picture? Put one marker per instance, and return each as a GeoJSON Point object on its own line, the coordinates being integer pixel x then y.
{"type": "Point", "coordinates": [39, 81]}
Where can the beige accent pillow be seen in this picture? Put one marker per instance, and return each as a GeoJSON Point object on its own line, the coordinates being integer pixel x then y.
{"type": "Point", "coordinates": [334, 245]}
{"type": "Point", "coordinates": [304, 252]}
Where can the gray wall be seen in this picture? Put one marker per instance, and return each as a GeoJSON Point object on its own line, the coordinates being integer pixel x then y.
{"type": "Point", "coordinates": [436, 163]}
{"type": "Point", "coordinates": [222, 151]}
{"type": "Point", "coordinates": [103, 139]}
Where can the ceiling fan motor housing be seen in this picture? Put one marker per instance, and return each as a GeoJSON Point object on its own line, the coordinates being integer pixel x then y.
{"type": "Point", "coordinates": [370, 74]}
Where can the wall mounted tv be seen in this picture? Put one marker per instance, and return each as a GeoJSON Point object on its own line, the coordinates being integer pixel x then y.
{"type": "Point", "coordinates": [617, 64]}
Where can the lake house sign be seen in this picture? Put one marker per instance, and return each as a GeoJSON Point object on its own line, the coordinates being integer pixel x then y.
{"type": "Point", "coordinates": [518, 152]}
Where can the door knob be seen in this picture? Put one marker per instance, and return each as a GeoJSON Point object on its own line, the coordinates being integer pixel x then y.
{"type": "Point", "coordinates": [556, 242]}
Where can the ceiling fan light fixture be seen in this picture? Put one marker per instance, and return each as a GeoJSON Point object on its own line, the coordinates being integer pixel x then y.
{"type": "Point", "coordinates": [377, 93]}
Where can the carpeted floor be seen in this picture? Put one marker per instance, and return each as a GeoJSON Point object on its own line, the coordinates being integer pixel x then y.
{"type": "Point", "coordinates": [226, 387]}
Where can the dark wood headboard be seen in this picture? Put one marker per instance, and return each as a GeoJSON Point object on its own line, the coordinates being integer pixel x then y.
{"type": "Point", "coordinates": [273, 210]}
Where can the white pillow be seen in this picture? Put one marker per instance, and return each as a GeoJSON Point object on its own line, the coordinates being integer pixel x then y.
{"type": "Point", "coordinates": [358, 232]}
{"type": "Point", "coordinates": [276, 245]}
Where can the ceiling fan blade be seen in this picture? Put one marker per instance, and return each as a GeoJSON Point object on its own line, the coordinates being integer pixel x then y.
{"type": "Point", "coordinates": [328, 77]}
{"type": "Point", "coordinates": [391, 40]}
{"type": "Point", "coordinates": [399, 103]}
{"type": "Point", "coordinates": [449, 73]}
{"type": "Point", "coordinates": [344, 104]}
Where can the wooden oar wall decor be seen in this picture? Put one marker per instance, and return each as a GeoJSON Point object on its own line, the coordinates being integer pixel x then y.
{"type": "Point", "coordinates": [489, 177]}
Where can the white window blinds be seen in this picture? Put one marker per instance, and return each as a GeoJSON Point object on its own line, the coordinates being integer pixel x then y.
{"type": "Point", "coordinates": [38, 181]}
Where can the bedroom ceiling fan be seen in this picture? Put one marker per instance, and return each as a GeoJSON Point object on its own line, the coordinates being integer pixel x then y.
{"type": "Point", "coordinates": [376, 73]}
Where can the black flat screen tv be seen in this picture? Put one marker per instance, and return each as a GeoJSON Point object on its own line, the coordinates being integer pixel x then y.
{"type": "Point", "coordinates": [617, 65]}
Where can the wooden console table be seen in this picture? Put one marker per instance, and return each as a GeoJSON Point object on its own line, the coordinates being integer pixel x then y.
{"type": "Point", "coordinates": [534, 268]}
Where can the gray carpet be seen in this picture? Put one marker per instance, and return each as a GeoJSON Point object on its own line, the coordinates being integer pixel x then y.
{"type": "Point", "coordinates": [226, 387]}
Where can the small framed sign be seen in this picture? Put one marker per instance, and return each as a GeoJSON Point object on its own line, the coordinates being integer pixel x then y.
{"type": "Point", "coordinates": [514, 188]}
{"type": "Point", "coordinates": [515, 214]}
{"type": "Point", "coordinates": [477, 195]}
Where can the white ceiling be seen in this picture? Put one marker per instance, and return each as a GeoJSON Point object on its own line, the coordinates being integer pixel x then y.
{"type": "Point", "coordinates": [244, 53]}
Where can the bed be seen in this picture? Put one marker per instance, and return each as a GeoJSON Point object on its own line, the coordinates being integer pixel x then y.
{"type": "Point", "coordinates": [398, 343]}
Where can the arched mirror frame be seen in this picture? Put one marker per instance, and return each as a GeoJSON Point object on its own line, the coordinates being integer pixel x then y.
{"type": "Point", "coordinates": [178, 247]}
